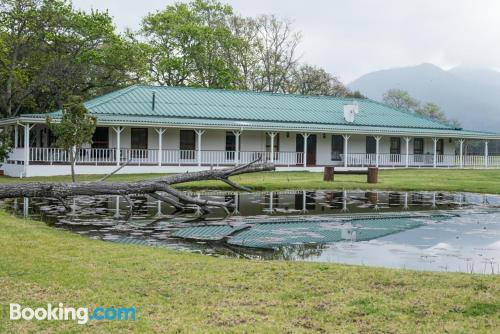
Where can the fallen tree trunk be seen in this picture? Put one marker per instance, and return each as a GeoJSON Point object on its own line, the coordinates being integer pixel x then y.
{"type": "Point", "coordinates": [61, 191]}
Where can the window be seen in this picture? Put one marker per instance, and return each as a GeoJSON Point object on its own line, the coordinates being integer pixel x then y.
{"type": "Point", "coordinates": [276, 143]}
{"type": "Point", "coordinates": [337, 147]}
{"type": "Point", "coordinates": [100, 139]}
{"type": "Point", "coordinates": [418, 146]}
{"type": "Point", "coordinates": [395, 145]}
{"type": "Point", "coordinates": [371, 145]}
{"type": "Point", "coordinates": [440, 147]}
{"type": "Point", "coordinates": [139, 138]}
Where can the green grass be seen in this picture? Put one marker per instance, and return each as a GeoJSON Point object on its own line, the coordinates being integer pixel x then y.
{"type": "Point", "coordinates": [482, 181]}
{"type": "Point", "coordinates": [181, 292]}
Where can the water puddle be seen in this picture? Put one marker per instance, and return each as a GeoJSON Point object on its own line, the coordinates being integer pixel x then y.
{"type": "Point", "coordinates": [415, 230]}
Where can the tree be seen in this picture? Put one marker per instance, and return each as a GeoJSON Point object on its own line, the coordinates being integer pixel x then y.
{"type": "Point", "coordinates": [75, 129]}
{"type": "Point", "coordinates": [190, 44]}
{"type": "Point", "coordinates": [277, 50]}
{"type": "Point", "coordinates": [5, 144]}
{"type": "Point", "coordinates": [312, 80]}
{"type": "Point", "coordinates": [400, 99]}
{"type": "Point", "coordinates": [432, 111]}
{"type": "Point", "coordinates": [50, 52]}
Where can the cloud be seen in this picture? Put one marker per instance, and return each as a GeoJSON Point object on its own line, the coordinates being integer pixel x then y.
{"type": "Point", "coordinates": [351, 38]}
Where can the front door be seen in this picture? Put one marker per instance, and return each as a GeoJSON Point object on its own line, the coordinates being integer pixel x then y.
{"type": "Point", "coordinates": [311, 148]}
{"type": "Point", "coordinates": [139, 143]}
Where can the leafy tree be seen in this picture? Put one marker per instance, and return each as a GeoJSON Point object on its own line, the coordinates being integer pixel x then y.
{"type": "Point", "coordinates": [50, 52]}
{"type": "Point", "coordinates": [75, 129]}
{"type": "Point", "coordinates": [5, 144]}
{"type": "Point", "coordinates": [312, 80]}
{"type": "Point", "coordinates": [432, 111]}
{"type": "Point", "coordinates": [190, 44]}
{"type": "Point", "coordinates": [400, 99]}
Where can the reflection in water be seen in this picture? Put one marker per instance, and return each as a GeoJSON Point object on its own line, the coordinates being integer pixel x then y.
{"type": "Point", "coordinates": [303, 225]}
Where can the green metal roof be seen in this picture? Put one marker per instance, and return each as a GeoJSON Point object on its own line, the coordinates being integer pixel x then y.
{"type": "Point", "coordinates": [201, 107]}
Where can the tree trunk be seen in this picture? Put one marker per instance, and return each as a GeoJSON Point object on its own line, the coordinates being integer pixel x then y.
{"type": "Point", "coordinates": [62, 191]}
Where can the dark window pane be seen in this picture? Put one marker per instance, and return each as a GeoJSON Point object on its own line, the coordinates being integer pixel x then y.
{"type": "Point", "coordinates": [337, 147]}
{"type": "Point", "coordinates": [418, 146]}
{"type": "Point", "coordinates": [139, 138]}
{"type": "Point", "coordinates": [371, 145]}
{"type": "Point", "coordinates": [187, 140]}
{"type": "Point", "coordinates": [395, 145]}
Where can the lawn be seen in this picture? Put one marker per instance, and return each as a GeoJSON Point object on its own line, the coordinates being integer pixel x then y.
{"type": "Point", "coordinates": [181, 292]}
{"type": "Point", "coordinates": [483, 181]}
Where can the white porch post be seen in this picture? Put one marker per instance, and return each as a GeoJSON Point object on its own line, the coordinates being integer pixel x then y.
{"type": "Point", "coordinates": [435, 140]}
{"type": "Point", "coordinates": [306, 136]}
{"type": "Point", "coordinates": [27, 128]}
{"type": "Point", "coordinates": [237, 135]}
{"type": "Point", "coordinates": [160, 132]}
{"type": "Point", "coordinates": [486, 154]}
{"type": "Point", "coordinates": [118, 131]}
{"type": "Point", "coordinates": [377, 149]}
{"type": "Point", "coordinates": [346, 139]}
{"type": "Point", "coordinates": [461, 141]}
{"type": "Point", "coordinates": [16, 136]}
{"type": "Point", "coordinates": [407, 158]}
{"type": "Point", "coordinates": [199, 133]}
{"type": "Point", "coordinates": [272, 135]}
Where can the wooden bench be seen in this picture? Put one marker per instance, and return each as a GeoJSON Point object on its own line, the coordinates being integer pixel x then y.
{"type": "Point", "coordinates": [371, 173]}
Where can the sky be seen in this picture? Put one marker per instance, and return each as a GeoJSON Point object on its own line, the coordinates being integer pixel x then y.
{"type": "Point", "coordinates": [350, 38]}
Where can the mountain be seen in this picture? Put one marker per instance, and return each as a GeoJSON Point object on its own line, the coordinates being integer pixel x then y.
{"type": "Point", "coordinates": [467, 94]}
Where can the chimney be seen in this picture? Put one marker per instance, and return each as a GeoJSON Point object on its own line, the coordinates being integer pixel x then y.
{"type": "Point", "coordinates": [153, 101]}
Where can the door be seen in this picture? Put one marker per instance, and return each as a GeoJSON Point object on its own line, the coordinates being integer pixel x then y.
{"type": "Point", "coordinates": [100, 142]}
{"type": "Point", "coordinates": [395, 149]}
{"type": "Point", "coordinates": [311, 148]}
{"type": "Point", "coordinates": [187, 144]}
{"type": "Point", "coordinates": [418, 149]}
{"type": "Point", "coordinates": [231, 146]}
{"type": "Point", "coordinates": [139, 143]}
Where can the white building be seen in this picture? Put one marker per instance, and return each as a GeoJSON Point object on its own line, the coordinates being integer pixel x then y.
{"type": "Point", "coordinates": [172, 129]}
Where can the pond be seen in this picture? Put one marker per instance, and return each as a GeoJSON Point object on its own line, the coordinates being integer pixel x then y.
{"type": "Point", "coordinates": [435, 231]}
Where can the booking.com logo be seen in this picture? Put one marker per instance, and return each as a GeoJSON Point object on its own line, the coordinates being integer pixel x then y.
{"type": "Point", "coordinates": [81, 315]}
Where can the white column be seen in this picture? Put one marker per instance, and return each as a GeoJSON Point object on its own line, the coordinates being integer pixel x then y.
{"type": "Point", "coordinates": [407, 158]}
{"type": "Point", "coordinates": [16, 136]}
{"type": "Point", "coordinates": [486, 154]}
{"type": "Point", "coordinates": [160, 132]}
{"type": "Point", "coordinates": [346, 139]}
{"type": "Point", "coordinates": [199, 133]}
{"type": "Point", "coordinates": [306, 136]}
{"type": "Point", "coordinates": [461, 141]}
{"type": "Point", "coordinates": [272, 135]}
{"type": "Point", "coordinates": [118, 131]}
{"type": "Point", "coordinates": [27, 129]}
{"type": "Point", "coordinates": [435, 140]}
{"type": "Point", "coordinates": [237, 148]}
{"type": "Point", "coordinates": [377, 150]}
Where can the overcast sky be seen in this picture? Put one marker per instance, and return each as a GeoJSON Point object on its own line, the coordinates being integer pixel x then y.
{"type": "Point", "coordinates": [352, 37]}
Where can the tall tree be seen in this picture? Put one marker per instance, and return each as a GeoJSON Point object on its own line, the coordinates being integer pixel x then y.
{"type": "Point", "coordinates": [49, 52]}
{"type": "Point", "coordinates": [190, 44]}
{"type": "Point", "coordinates": [277, 53]}
{"type": "Point", "coordinates": [311, 80]}
{"type": "Point", "coordinates": [400, 99]}
{"type": "Point", "coordinates": [75, 129]}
